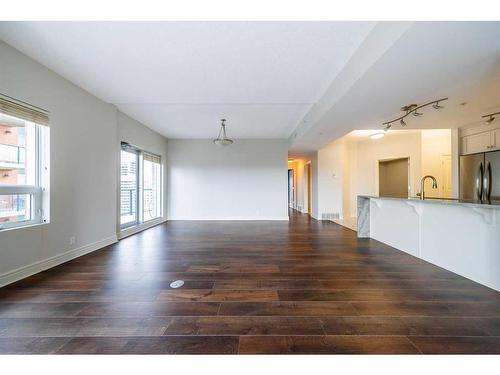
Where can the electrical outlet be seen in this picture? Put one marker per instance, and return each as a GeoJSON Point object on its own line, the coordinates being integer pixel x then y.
{"type": "Point", "coordinates": [72, 240]}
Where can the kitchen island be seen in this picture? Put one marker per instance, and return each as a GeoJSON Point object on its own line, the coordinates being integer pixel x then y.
{"type": "Point", "coordinates": [459, 236]}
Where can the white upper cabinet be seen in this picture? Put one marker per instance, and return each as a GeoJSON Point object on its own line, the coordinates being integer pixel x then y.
{"type": "Point", "coordinates": [495, 139]}
{"type": "Point", "coordinates": [480, 139]}
{"type": "Point", "coordinates": [474, 143]}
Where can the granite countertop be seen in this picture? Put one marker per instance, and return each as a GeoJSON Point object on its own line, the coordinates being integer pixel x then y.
{"type": "Point", "coordinates": [443, 201]}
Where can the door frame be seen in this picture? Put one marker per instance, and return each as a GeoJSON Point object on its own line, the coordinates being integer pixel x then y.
{"type": "Point", "coordinates": [308, 187]}
{"type": "Point", "coordinates": [136, 152]}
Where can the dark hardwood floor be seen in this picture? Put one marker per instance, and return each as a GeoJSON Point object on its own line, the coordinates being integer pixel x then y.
{"type": "Point", "coordinates": [250, 287]}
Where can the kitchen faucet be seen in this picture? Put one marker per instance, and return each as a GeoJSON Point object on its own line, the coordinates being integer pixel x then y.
{"type": "Point", "coordinates": [422, 183]}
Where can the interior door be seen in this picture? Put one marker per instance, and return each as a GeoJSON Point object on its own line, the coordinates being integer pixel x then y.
{"type": "Point", "coordinates": [471, 177]}
{"type": "Point", "coordinates": [129, 188]}
{"type": "Point", "coordinates": [290, 188]}
{"type": "Point", "coordinates": [446, 181]}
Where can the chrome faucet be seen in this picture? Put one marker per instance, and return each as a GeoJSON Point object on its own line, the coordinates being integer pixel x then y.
{"type": "Point", "coordinates": [422, 184]}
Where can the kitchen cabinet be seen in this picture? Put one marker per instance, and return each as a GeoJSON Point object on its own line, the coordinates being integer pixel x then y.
{"type": "Point", "coordinates": [495, 139]}
{"type": "Point", "coordinates": [474, 143]}
{"type": "Point", "coordinates": [480, 140]}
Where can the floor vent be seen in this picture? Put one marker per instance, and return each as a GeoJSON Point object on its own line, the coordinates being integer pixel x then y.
{"type": "Point", "coordinates": [330, 216]}
{"type": "Point", "coordinates": [176, 284]}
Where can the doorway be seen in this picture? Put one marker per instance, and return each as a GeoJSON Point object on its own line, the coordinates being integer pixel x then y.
{"type": "Point", "coordinates": [394, 177]}
{"type": "Point", "coordinates": [308, 176]}
{"type": "Point", "coordinates": [291, 189]}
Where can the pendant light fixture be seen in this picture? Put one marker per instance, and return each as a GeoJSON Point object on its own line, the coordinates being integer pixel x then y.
{"type": "Point", "coordinates": [224, 140]}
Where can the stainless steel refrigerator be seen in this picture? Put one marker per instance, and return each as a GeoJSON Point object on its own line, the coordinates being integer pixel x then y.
{"type": "Point", "coordinates": [480, 177]}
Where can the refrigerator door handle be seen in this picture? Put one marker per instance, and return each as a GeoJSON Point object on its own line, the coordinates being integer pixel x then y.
{"type": "Point", "coordinates": [487, 183]}
{"type": "Point", "coordinates": [479, 182]}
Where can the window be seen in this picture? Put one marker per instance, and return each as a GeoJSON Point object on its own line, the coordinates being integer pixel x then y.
{"type": "Point", "coordinates": [24, 142]}
{"type": "Point", "coordinates": [140, 186]}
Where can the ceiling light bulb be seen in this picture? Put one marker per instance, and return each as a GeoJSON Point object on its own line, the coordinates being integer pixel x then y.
{"type": "Point", "coordinates": [377, 135]}
{"type": "Point", "coordinates": [402, 122]}
{"type": "Point", "coordinates": [416, 114]}
{"type": "Point", "coordinates": [490, 120]}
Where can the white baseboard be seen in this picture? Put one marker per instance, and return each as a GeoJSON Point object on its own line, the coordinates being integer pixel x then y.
{"type": "Point", "coordinates": [230, 218]}
{"type": "Point", "coordinates": [42, 265]}
{"type": "Point", "coordinates": [139, 228]}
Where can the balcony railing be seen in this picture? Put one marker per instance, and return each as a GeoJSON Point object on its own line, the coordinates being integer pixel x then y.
{"type": "Point", "coordinates": [10, 154]}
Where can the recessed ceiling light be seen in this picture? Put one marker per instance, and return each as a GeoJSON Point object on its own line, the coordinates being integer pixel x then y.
{"type": "Point", "coordinates": [377, 135]}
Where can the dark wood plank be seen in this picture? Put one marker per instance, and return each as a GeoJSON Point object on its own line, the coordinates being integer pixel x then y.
{"type": "Point", "coordinates": [31, 345]}
{"type": "Point", "coordinates": [402, 325]}
{"type": "Point", "coordinates": [326, 345]}
{"type": "Point", "coordinates": [245, 325]}
{"type": "Point", "coordinates": [287, 308]}
{"type": "Point", "coordinates": [457, 345]}
{"type": "Point", "coordinates": [218, 295]}
{"type": "Point", "coordinates": [416, 295]}
{"type": "Point", "coordinates": [76, 327]}
{"type": "Point", "coordinates": [428, 308]}
{"type": "Point", "coordinates": [152, 345]}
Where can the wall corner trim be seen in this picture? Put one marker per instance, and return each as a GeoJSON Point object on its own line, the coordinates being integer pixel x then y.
{"type": "Point", "coordinates": [31, 269]}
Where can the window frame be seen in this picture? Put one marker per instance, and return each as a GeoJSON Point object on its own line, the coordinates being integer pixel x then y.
{"type": "Point", "coordinates": [39, 191]}
{"type": "Point", "coordinates": [137, 187]}
{"type": "Point", "coordinates": [160, 193]}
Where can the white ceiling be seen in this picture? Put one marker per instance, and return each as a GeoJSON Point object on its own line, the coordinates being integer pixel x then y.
{"type": "Point", "coordinates": [180, 78]}
{"type": "Point", "coordinates": [311, 82]}
{"type": "Point", "coordinates": [428, 61]}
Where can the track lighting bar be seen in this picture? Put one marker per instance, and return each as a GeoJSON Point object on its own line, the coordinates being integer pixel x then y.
{"type": "Point", "coordinates": [412, 109]}
{"type": "Point", "coordinates": [491, 117]}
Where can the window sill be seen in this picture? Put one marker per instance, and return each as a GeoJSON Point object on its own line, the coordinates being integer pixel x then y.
{"type": "Point", "coordinates": [34, 225]}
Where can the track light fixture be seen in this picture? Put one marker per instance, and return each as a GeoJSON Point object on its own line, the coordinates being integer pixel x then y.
{"type": "Point", "coordinates": [491, 117]}
{"type": "Point", "coordinates": [436, 106]}
{"type": "Point", "coordinates": [413, 110]}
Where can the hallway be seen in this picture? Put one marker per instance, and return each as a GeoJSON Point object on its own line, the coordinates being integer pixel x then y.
{"type": "Point", "coordinates": [302, 286]}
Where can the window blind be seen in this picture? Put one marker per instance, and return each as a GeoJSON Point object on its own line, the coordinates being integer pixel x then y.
{"type": "Point", "coordinates": [152, 158]}
{"type": "Point", "coordinates": [24, 111]}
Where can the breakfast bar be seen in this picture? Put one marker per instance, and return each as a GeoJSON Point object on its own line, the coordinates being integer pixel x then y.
{"type": "Point", "coordinates": [461, 237]}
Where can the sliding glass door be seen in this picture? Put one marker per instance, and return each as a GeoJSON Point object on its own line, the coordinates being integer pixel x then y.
{"type": "Point", "coordinates": [140, 186]}
{"type": "Point", "coordinates": [151, 187]}
{"type": "Point", "coordinates": [129, 188]}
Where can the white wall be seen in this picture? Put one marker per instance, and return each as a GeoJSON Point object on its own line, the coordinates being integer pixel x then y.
{"type": "Point", "coordinates": [332, 174]}
{"type": "Point", "coordinates": [84, 159]}
{"type": "Point", "coordinates": [247, 180]}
